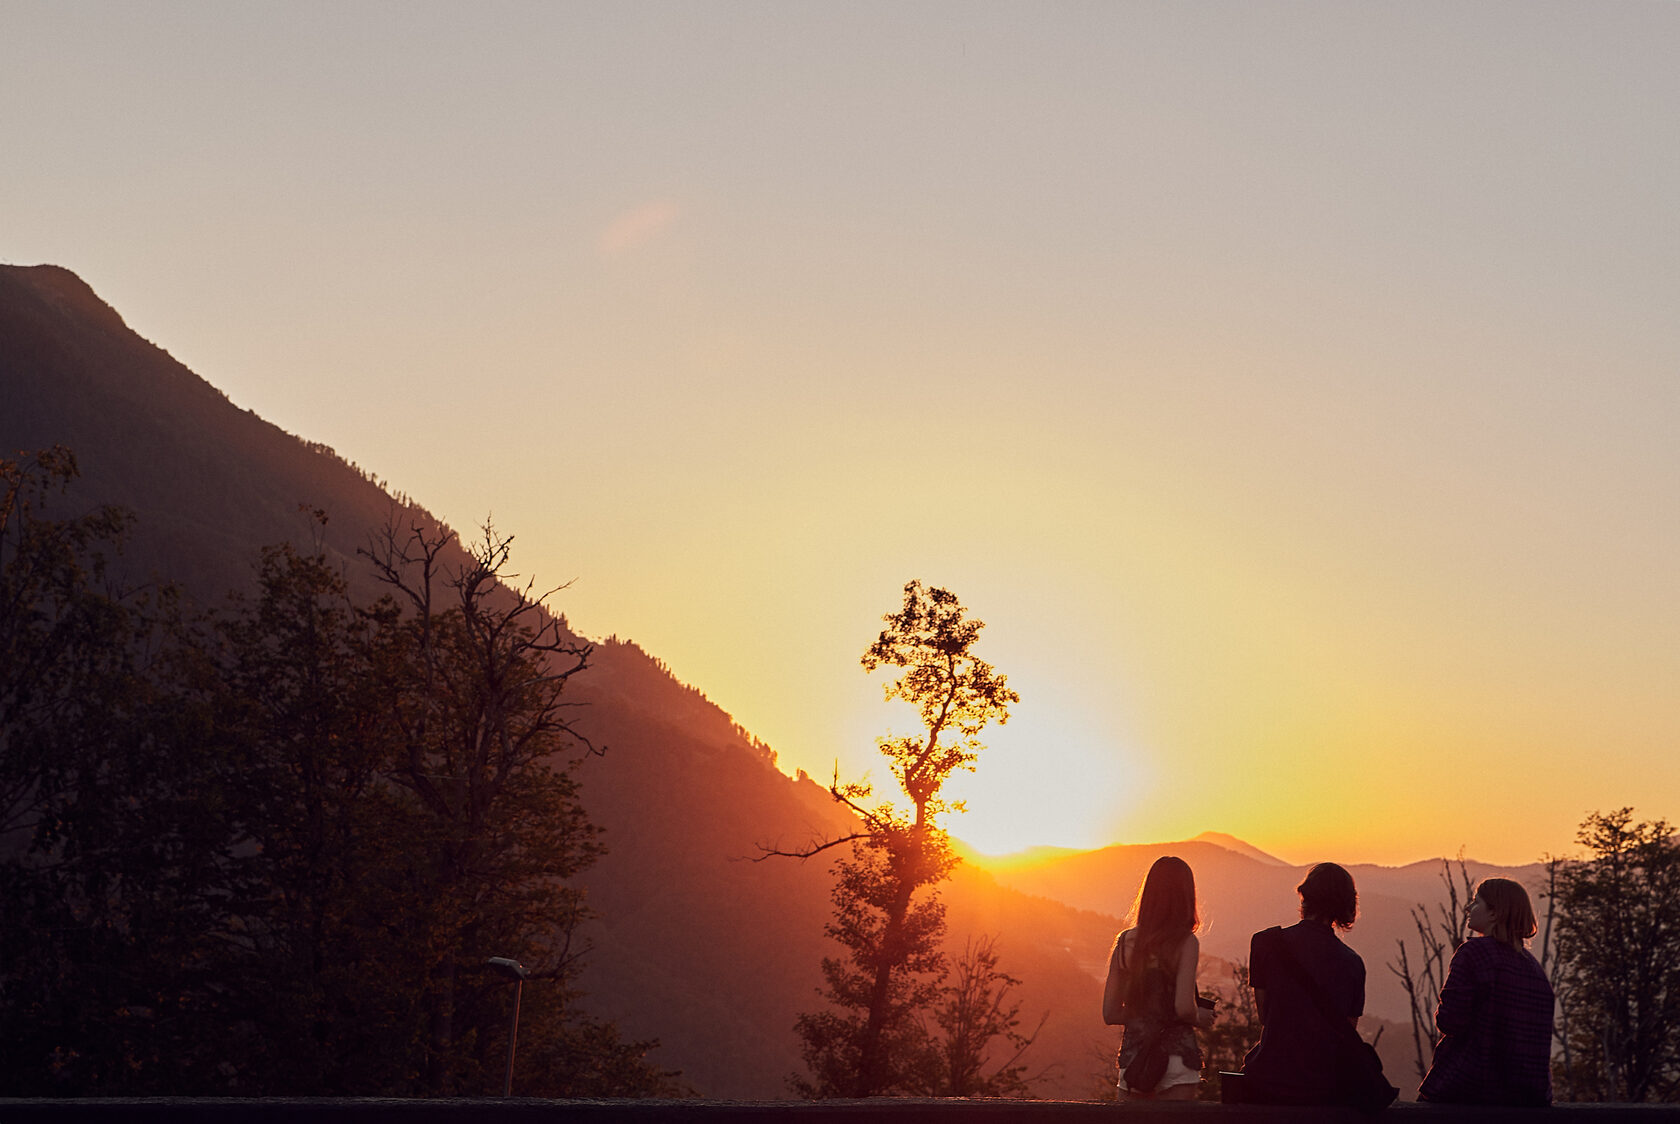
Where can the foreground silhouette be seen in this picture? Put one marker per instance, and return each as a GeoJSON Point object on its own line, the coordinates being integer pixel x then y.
{"type": "Point", "coordinates": [1151, 988]}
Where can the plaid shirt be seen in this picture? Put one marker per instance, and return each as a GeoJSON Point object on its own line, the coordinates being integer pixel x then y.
{"type": "Point", "coordinates": [1495, 1018]}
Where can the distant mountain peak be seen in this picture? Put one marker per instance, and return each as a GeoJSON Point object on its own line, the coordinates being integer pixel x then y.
{"type": "Point", "coordinates": [1232, 843]}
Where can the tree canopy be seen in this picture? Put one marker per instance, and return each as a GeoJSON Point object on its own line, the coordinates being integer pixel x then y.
{"type": "Point", "coordinates": [875, 1038]}
{"type": "Point", "coordinates": [270, 848]}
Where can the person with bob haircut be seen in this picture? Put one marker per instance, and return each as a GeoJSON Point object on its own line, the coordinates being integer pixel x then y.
{"type": "Point", "coordinates": [1495, 1011]}
{"type": "Point", "coordinates": [1151, 988]}
{"type": "Point", "coordinates": [1303, 977]}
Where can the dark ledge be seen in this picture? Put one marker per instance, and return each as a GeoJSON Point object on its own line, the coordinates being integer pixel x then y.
{"type": "Point", "coordinates": [360, 1110]}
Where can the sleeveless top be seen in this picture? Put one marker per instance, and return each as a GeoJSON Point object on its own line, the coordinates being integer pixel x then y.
{"type": "Point", "coordinates": [1156, 1013]}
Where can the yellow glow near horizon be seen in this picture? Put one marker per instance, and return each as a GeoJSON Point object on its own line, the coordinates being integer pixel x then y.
{"type": "Point", "coordinates": [1035, 782]}
{"type": "Point", "coordinates": [1315, 490]}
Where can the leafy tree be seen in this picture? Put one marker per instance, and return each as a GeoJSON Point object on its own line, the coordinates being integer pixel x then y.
{"type": "Point", "coordinates": [1229, 1039]}
{"type": "Point", "coordinates": [61, 632]}
{"type": "Point", "coordinates": [270, 851]}
{"type": "Point", "coordinates": [110, 828]}
{"type": "Point", "coordinates": [873, 1040]}
{"type": "Point", "coordinates": [974, 1009]}
{"type": "Point", "coordinates": [408, 814]}
{"type": "Point", "coordinates": [306, 681]}
{"type": "Point", "coordinates": [1619, 959]}
{"type": "Point", "coordinates": [495, 832]}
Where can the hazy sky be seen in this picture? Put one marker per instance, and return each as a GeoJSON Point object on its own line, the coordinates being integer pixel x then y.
{"type": "Point", "coordinates": [1293, 388]}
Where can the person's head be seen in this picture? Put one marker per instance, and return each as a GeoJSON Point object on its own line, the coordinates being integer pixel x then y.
{"type": "Point", "coordinates": [1166, 905]}
{"type": "Point", "coordinates": [1328, 895]}
{"type": "Point", "coordinates": [1501, 910]}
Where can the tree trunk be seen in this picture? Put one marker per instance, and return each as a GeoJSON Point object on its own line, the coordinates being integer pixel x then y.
{"type": "Point", "coordinates": [871, 1052]}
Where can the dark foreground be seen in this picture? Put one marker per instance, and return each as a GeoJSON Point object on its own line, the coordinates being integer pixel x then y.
{"type": "Point", "coordinates": [891, 1111]}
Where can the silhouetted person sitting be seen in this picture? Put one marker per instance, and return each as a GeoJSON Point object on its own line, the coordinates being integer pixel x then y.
{"type": "Point", "coordinates": [1306, 983]}
{"type": "Point", "coordinates": [1495, 1013]}
{"type": "Point", "coordinates": [1151, 988]}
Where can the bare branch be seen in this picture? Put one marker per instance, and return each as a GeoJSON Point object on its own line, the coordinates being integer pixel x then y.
{"type": "Point", "coordinates": [768, 852]}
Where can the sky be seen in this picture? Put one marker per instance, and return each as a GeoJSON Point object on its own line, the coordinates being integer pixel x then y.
{"type": "Point", "coordinates": [1290, 387]}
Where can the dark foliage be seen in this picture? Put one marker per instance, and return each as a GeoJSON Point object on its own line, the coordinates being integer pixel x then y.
{"type": "Point", "coordinates": [874, 1038]}
{"type": "Point", "coordinates": [1618, 959]}
{"type": "Point", "coordinates": [1233, 1033]}
{"type": "Point", "coordinates": [975, 1011]}
{"type": "Point", "coordinates": [270, 851]}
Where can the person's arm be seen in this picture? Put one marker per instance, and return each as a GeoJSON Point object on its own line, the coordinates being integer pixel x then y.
{"type": "Point", "coordinates": [1114, 989]}
{"type": "Point", "coordinates": [1184, 990]}
{"type": "Point", "coordinates": [1359, 1007]}
{"type": "Point", "coordinates": [1257, 976]}
{"type": "Point", "coordinates": [1456, 1011]}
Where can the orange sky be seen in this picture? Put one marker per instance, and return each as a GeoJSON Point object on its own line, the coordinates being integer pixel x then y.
{"type": "Point", "coordinates": [1291, 387]}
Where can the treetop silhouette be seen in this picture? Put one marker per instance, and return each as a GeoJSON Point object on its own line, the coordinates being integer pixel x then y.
{"type": "Point", "coordinates": [874, 1039]}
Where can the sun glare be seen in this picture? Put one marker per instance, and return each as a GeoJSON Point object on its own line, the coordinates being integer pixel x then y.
{"type": "Point", "coordinates": [1046, 780]}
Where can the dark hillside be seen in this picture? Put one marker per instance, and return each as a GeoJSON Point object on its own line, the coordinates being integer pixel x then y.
{"type": "Point", "coordinates": [696, 944]}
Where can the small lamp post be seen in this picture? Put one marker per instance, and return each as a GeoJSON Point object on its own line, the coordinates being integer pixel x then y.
{"type": "Point", "coordinates": [515, 971]}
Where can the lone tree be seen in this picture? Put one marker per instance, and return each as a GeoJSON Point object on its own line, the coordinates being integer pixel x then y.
{"type": "Point", "coordinates": [874, 1039]}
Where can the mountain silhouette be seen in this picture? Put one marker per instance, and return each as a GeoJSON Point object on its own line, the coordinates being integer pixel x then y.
{"type": "Point", "coordinates": [697, 942]}
{"type": "Point", "coordinates": [207, 479]}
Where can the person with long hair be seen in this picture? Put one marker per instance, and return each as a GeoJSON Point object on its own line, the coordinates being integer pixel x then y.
{"type": "Point", "coordinates": [1305, 982]}
{"type": "Point", "coordinates": [1151, 988]}
{"type": "Point", "coordinates": [1495, 1011]}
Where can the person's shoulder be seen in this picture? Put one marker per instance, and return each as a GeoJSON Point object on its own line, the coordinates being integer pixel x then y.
{"type": "Point", "coordinates": [1320, 939]}
{"type": "Point", "coordinates": [1527, 964]}
{"type": "Point", "coordinates": [1478, 950]}
{"type": "Point", "coordinates": [1480, 957]}
{"type": "Point", "coordinates": [1314, 936]}
{"type": "Point", "coordinates": [1509, 957]}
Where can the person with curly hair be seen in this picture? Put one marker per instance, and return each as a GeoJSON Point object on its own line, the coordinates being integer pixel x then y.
{"type": "Point", "coordinates": [1305, 980]}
